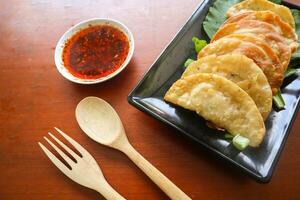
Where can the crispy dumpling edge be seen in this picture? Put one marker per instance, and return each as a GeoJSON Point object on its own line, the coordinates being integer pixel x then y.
{"type": "Point", "coordinates": [178, 86]}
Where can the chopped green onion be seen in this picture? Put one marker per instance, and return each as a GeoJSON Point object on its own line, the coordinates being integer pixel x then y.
{"type": "Point", "coordinates": [228, 136]}
{"type": "Point", "coordinates": [199, 44]}
{"type": "Point", "coordinates": [240, 142]}
{"type": "Point", "coordinates": [289, 72]}
{"type": "Point", "coordinates": [188, 62]}
{"type": "Point", "coordinates": [278, 100]}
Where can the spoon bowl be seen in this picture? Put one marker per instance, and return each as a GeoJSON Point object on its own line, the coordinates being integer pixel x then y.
{"type": "Point", "coordinates": [101, 123]}
{"type": "Point", "coordinates": [99, 120]}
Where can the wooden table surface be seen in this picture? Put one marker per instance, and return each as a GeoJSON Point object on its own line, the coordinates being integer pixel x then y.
{"type": "Point", "coordinates": [34, 98]}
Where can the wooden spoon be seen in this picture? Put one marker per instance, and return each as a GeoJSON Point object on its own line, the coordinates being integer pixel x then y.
{"type": "Point", "coordinates": [101, 123]}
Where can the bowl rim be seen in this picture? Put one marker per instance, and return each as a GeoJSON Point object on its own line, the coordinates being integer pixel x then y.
{"type": "Point", "coordinates": [82, 25]}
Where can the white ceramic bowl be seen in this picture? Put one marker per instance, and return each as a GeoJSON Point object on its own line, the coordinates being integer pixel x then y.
{"type": "Point", "coordinates": [82, 25]}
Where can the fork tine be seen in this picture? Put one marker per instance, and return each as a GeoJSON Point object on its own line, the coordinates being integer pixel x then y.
{"type": "Point", "coordinates": [65, 147]}
{"type": "Point", "coordinates": [73, 142]}
{"type": "Point", "coordinates": [61, 153]}
{"type": "Point", "coordinates": [54, 160]}
{"type": "Point", "coordinates": [85, 154]}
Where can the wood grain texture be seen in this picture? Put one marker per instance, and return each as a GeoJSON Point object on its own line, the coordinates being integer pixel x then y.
{"type": "Point", "coordinates": [34, 98]}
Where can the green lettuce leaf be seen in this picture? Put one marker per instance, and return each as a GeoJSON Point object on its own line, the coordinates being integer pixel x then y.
{"type": "Point", "coordinates": [289, 72]}
{"type": "Point", "coordinates": [188, 62]}
{"type": "Point", "coordinates": [276, 1]}
{"type": "Point", "coordinates": [199, 44]}
{"type": "Point", "coordinates": [216, 16]}
{"type": "Point", "coordinates": [278, 100]}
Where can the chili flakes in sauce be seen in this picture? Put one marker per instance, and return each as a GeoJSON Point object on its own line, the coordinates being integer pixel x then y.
{"type": "Point", "coordinates": [95, 52]}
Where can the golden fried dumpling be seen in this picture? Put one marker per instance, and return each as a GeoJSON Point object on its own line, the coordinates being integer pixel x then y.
{"type": "Point", "coordinates": [255, 27]}
{"type": "Point", "coordinates": [262, 30]}
{"type": "Point", "coordinates": [271, 18]}
{"type": "Point", "coordinates": [261, 44]}
{"type": "Point", "coordinates": [240, 70]}
{"type": "Point", "coordinates": [220, 101]}
{"type": "Point", "coordinates": [262, 5]}
{"type": "Point", "coordinates": [273, 71]}
{"type": "Point", "coordinates": [271, 52]}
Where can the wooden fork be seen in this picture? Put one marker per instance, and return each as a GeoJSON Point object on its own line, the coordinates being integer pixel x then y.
{"type": "Point", "coordinates": [85, 171]}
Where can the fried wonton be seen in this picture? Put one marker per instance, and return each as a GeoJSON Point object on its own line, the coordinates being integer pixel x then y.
{"type": "Point", "coordinates": [240, 70]}
{"type": "Point", "coordinates": [262, 30]}
{"type": "Point", "coordinates": [273, 53]}
{"type": "Point", "coordinates": [220, 101]}
{"type": "Point", "coordinates": [273, 71]}
{"type": "Point", "coordinates": [262, 5]}
{"type": "Point", "coordinates": [255, 27]}
{"type": "Point", "coordinates": [271, 18]}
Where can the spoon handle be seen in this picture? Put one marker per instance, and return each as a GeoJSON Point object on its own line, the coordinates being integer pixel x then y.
{"type": "Point", "coordinates": [154, 174]}
{"type": "Point", "coordinates": [108, 192]}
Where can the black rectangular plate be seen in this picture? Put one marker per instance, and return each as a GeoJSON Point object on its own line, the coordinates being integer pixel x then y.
{"type": "Point", "coordinates": [148, 97]}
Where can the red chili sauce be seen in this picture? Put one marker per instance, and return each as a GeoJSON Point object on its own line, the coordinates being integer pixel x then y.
{"type": "Point", "coordinates": [95, 51]}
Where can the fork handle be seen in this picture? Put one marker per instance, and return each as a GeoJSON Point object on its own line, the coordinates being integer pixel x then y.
{"type": "Point", "coordinates": [108, 192]}
{"type": "Point", "coordinates": [154, 174]}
